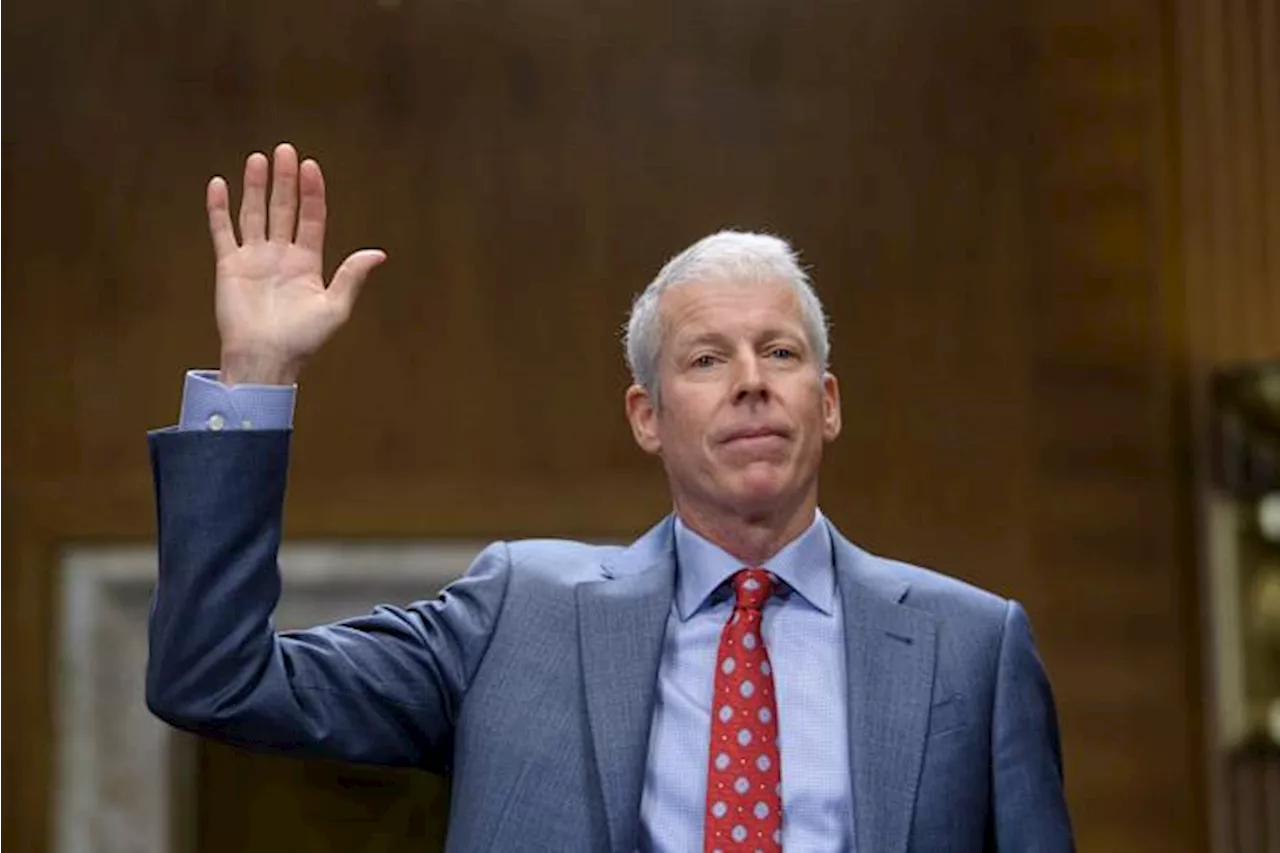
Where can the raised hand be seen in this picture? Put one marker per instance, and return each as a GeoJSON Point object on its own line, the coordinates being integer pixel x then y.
{"type": "Point", "coordinates": [273, 307]}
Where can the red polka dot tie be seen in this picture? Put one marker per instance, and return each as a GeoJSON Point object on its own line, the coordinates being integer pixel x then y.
{"type": "Point", "coordinates": [744, 774]}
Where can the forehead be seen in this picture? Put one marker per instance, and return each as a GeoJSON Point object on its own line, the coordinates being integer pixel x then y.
{"type": "Point", "coordinates": [731, 308]}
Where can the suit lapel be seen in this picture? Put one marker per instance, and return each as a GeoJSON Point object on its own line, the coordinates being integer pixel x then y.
{"type": "Point", "coordinates": [890, 656]}
{"type": "Point", "coordinates": [621, 623]}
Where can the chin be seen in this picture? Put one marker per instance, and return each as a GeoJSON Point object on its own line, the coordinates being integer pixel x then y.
{"type": "Point", "coordinates": [760, 491]}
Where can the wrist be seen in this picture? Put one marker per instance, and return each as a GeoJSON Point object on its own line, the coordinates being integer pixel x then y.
{"type": "Point", "coordinates": [258, 368]}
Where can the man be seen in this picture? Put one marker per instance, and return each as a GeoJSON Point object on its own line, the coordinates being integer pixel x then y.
{"type": "Point", "coordinates": [740, 678]}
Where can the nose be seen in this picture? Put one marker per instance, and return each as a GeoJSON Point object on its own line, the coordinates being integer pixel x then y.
{"type": "Point", "coordinates": [749, 380]}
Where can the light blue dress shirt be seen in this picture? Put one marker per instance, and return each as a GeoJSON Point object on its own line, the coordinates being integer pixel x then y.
{"type": "Point", "coordinates": [803, 631]}
{"type": "Point", "coordinates": [208, 404]}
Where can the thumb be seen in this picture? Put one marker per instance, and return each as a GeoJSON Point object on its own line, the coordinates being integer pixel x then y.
{"type": "Point", "coordinates": [351, 275]}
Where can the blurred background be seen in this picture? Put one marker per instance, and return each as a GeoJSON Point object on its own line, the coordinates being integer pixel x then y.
{"type": "Point", "coordinates": [1047, 233]}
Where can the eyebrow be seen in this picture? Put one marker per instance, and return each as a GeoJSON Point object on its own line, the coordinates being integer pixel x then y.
{"type": "Point", "coordinates": [701, 338]}
{"type": "Point", "coordinates": [719, 338]}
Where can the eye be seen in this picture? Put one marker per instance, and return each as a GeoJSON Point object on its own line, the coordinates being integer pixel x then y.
{"type": "Point", "coordinates": [782, 353]}
{"type": "Point", "coordinates": [704, 360]}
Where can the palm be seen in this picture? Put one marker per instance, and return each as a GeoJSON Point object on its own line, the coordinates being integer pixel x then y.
{"type": "Point", "coordinates": [273, 307]}
{"type": "Point", "coordinates": [274, 295]}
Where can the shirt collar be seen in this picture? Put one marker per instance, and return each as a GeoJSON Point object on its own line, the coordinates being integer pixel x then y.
{"type": "Point", "coordinates": [803, 565]}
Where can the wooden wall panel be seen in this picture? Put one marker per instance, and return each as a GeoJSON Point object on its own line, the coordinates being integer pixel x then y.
{"type": "Point", "coordinates": [1227, 56]}
{"type": "Point", "coordinates": [982, 189]}
{"type": "Point", "coordinates": [1104, 511]}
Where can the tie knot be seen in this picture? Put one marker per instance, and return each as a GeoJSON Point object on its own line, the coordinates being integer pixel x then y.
{"type": "Point", "coordinates": [752, 588]}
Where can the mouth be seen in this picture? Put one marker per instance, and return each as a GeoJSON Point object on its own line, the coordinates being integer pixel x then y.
{"type": "Point", "coordinates": [755, 437]}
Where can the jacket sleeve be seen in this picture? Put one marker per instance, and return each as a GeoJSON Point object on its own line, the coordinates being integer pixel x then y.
{"type": "Point", "coordinates": [1029, 804]}
{"type": "Point", "coordinates": [383, 688]}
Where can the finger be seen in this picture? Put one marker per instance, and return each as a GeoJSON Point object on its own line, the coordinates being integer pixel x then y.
{"type": "Point", "coordinates": [312, 213]}
{"type": "Point", "coordinates": [352, 274]}
{"type": "Point", "coordinates": [215, 202]}
{"type": "Point", "coordinates": [284, 194]}
{"type": "Point", "coordinates": [253, 207]}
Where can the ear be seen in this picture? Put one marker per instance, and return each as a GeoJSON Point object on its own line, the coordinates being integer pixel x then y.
{"type": "Point", "coordinates": [830, 407]}
{"type": "Point", "coordinates": [643, 416]}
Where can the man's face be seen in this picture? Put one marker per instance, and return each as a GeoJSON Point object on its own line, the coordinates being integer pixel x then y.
{"type": "Point", "coordinates": [745, 407]}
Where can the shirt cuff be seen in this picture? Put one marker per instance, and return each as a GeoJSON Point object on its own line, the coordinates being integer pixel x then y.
{"type": "Point", "coordinates": [207, 404]}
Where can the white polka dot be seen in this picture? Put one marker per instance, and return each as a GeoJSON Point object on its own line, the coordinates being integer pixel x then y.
{"type": "Point", "coordinates": [761, 811]}
{"type": "Point", "coordinates": [739, 832]}
{"type": "Point", "coordinates": [763, 763]}
{"type": "Point", "coordinates": [746, 688]}
{"type": "Point", "coordinates": [765, 669]}
{"type": "Point", "coordinates": [719, 809]}
{"type": "Point", "coordinates": [744, 737]}
{"type": "Point", "coordinates": [722, 761]}
{"type": "Point", "coordinates": [777, 836]}
{"type": "Point", "coordinates": [742, 785]}
{"type": "Point", "coordinates": [727, 666]}
{"type": "Point", "coordinates": [765, 715]}
{"type": "Point", "coordinates": [748, 642]}
{"type": "Point", "coordinates": [751, 584]}
{"type": "Point", "coordinates": [726, 713]}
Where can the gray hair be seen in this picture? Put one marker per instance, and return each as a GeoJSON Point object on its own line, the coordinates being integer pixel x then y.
{"type": "Point", "coordinates": [725, 256]}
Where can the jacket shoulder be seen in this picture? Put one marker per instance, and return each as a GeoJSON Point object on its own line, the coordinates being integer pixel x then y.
{"type": "Point", "coordinates": [559, 561]}
{"type": "Point", "coordinates": [943, 595]}
{"type": "Point", "coordinates": [930, 587]}
{"type": "Point", "coordinates": [970, 620]}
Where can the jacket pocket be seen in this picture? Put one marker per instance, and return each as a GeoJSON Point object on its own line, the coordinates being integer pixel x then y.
{"type": "Point", "coordinates": [947, 716]}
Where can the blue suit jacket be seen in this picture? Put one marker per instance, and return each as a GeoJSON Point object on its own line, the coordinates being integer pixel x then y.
{"type": "Point", "coordinates": [531, 679]}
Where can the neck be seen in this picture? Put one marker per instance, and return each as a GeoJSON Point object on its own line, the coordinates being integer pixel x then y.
{"type": "Point", "coordinates": [751, 537]}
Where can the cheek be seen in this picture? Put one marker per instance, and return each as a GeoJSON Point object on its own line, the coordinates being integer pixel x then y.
{"type": "Point", "coordinates": [686, 420]}
{"type": "Point", "coordinates": [680, 433]}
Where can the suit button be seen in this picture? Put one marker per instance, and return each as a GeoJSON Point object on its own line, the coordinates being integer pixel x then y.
{"type": "Point", "coordinates": [216, 422]}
